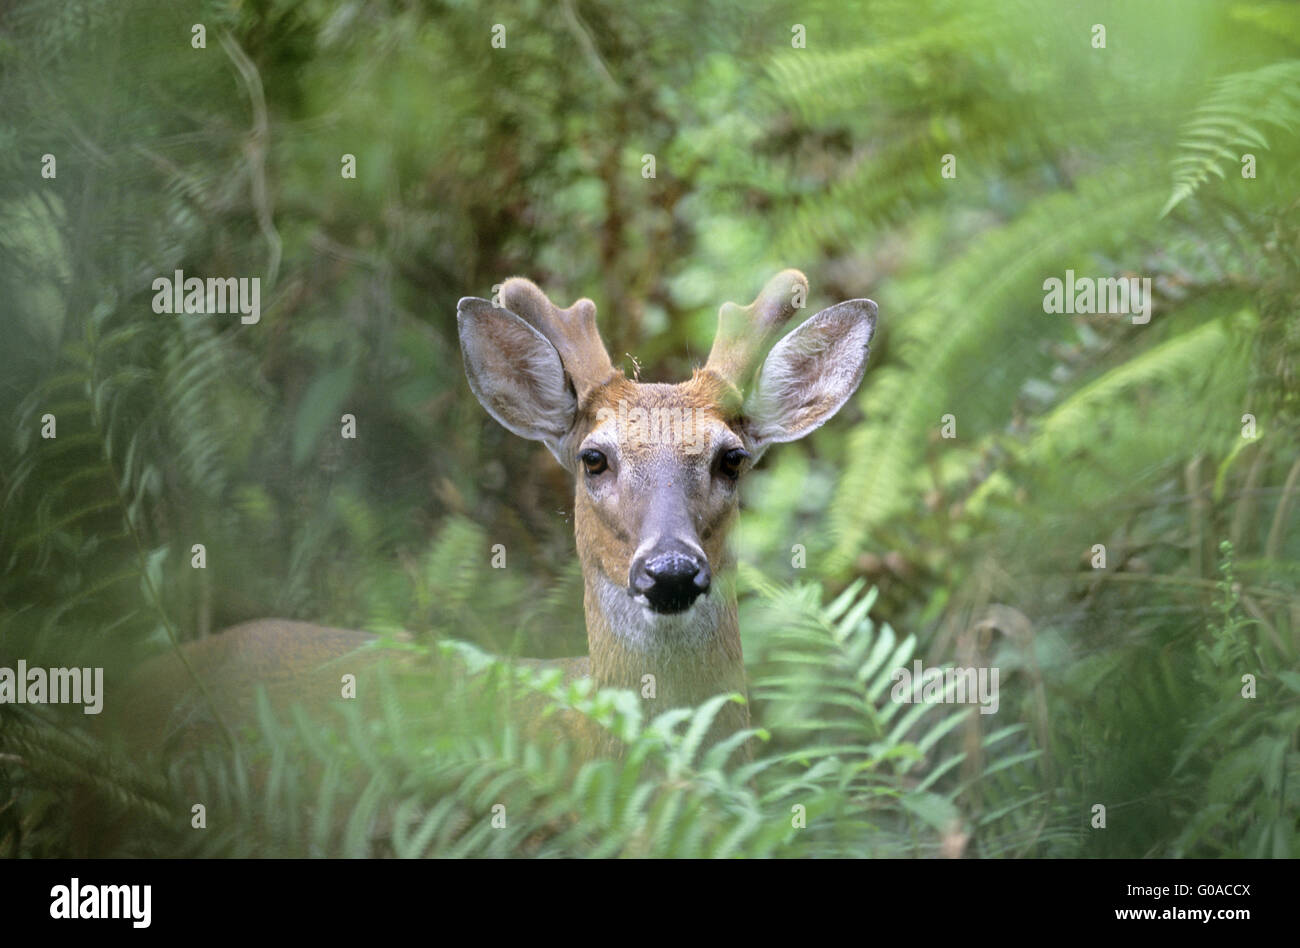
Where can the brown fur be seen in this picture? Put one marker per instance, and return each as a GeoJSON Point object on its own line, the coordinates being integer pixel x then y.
{"type": "Point", "coordinates": [608, 531]}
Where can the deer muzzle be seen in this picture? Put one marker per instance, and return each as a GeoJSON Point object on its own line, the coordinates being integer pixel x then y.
{"type": "Point", "coordinates": [670, 578]}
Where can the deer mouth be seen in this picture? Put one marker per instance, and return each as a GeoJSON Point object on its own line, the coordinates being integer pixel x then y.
{"type": "Point", "coordinates": [668, 604]}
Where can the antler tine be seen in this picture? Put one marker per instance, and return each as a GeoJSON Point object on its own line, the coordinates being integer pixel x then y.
{"type": "Point", "coordinates": [572, 331]}
{"type": "Point", "coordinates": [744, 332]}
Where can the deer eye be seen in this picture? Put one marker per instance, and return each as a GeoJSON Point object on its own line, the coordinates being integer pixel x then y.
{"type": "Point", "coordinates": [594, 461]}
{"type": "Point", "coordinates": [729, 462]}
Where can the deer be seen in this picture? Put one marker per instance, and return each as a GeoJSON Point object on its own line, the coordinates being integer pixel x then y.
{"type": "Point", "coordinates": [656, 470]}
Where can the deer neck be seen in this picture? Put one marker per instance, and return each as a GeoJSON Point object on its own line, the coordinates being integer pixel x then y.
{"type": "Point", "coordinates": [692, 655]}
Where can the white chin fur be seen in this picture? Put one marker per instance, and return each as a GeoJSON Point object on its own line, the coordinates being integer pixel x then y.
{"type": "Point", "coordinates": [641, 628]}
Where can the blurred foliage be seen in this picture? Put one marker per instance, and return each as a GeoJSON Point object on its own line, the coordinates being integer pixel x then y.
{"type": "Point", "coordinates": [1121, 685]}
{"type": "Point", "coordinates": [456, 778]}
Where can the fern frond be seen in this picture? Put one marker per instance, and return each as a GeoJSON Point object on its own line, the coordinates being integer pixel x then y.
{"type": "Point", "coordinates": [1237, 116]}
{"type": "Point", "coordinates": [952, 348]}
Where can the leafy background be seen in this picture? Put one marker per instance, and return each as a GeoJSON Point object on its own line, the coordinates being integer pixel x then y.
{"type": "Point", "coordinates": [1120, 686]}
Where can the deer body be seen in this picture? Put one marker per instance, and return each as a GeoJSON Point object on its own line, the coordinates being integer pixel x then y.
{"type": "Point", "coordinates": [656, 470]}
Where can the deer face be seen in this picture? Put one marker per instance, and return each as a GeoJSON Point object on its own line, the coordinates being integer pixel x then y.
{"type": "Point", "coordinates": [657, 467]}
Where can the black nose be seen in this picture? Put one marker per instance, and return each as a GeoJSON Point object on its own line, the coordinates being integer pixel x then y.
{"type": "Point", "coordinates": [670, 580]}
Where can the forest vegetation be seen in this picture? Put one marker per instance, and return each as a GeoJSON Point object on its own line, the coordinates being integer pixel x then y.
{"type": "Point", "coordinates": [1103, 508]}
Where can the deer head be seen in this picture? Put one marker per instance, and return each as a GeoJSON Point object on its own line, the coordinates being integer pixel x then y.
{"type": "Point", "coordinates": [657, 466]}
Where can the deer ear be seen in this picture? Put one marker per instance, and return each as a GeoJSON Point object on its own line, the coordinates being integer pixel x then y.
{"type": "Point", "coordinates": [515, 373]}
{"type": "Point", "coordinates": [810, 373]}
